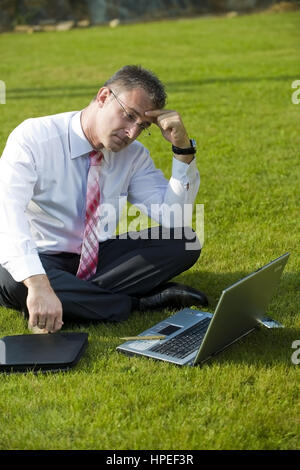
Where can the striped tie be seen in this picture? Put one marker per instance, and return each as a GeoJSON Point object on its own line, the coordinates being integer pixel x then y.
{"type": "Point", "coordinates": [90, 245]}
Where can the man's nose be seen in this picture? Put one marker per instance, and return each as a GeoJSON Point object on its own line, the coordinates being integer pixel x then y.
{"type": "Point", "coordinates": [133, 130]}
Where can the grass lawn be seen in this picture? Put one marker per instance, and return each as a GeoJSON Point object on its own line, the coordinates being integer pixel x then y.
{"type": "Point", "coordinates": [231, 80]}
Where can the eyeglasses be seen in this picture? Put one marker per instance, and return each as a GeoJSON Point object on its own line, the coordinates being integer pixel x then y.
{"type": "Point", "coordinates": [132, 118]}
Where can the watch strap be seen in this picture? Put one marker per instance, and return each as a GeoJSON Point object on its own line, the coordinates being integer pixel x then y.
{"type": "Point", "coordinates": [185, 151]}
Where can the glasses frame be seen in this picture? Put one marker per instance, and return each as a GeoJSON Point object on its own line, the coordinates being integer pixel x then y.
{"type": "Point", "coordinates": [142, 127]}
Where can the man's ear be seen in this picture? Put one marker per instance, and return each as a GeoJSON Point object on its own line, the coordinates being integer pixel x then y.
{"type": "Point", "coordinates": [102, 96]}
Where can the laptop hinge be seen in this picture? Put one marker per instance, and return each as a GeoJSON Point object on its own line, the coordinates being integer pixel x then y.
{"type": "Point", "coordinates": [269, 322]}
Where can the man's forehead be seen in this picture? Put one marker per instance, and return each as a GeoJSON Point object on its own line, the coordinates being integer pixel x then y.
{"type": "Point", "coordinates": [137, 101]}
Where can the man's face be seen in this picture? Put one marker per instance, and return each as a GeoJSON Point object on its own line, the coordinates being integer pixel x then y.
{"type": "Point", "coordinates": [119, 117]}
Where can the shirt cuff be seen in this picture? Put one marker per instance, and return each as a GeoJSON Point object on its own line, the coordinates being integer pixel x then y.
{"type": "Point", "coordinates": [23, 267]}
{"type": "Point", "coordinates": [184, 172]}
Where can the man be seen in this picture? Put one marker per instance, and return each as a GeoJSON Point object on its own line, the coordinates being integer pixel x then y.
{"type": "Point", "coordinates": [59, 258]}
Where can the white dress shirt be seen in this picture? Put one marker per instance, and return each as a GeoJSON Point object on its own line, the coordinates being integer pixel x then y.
{"type": "Point", "coordinates": [43, 176]}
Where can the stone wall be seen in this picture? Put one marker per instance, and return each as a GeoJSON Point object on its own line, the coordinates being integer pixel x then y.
{"type": "Point", "coordinates": [47, 12]}
{"type": "Point", "coordinates": [103, 10]}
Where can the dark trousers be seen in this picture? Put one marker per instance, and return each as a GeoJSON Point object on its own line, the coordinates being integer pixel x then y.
{"type": "Point", "coordinates": [129, 267]}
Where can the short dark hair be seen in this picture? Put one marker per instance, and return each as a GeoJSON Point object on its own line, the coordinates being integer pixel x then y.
{"type": "Point", "coordinates": [134, 76]}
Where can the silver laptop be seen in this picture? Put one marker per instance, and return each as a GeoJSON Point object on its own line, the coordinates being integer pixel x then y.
{"type": "Point", "coordinates": [194, 336]}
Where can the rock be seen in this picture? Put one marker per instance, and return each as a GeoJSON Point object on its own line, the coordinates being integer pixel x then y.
{"type": "Point", "coordinates": [23, 28]}
{"type": "Point", "coordinates": [283, 6]}
{"type": "Point", "coordinates": [65, 25]}
{"type": "Point", "coordinates": [232, 14]}
{"type": "Point", "coordinates": [49, 27]}
{"type": "Point", "coordinates": [83, 23]}
{"type": "Point", "coordinates": [114, 23]}
{"type": "Point", "coordinates": [37, 28]}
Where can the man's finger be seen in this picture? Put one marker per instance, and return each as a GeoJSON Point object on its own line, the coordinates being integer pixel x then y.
{"type": "Point", "coordinates": [36, 330]}
{"type": "Point", "coordinates": [49, 323]}
{"type": "Point", "coordinates": [57, 325]}
{"type": "Point", "coordinates": [33, 319]}
{"type": "Point", "coordinates": [155, 113]}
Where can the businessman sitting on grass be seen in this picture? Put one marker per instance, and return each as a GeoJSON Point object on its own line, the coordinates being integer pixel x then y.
{"type": "Point", "coordinates": [59, 259]}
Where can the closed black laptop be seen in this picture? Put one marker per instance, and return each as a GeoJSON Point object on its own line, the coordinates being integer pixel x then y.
{"type": "Point", "coordinates": [48, 352]}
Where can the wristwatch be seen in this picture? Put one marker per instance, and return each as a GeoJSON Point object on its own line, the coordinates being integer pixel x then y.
{"type": "Point", "coordinates": [186, 151]}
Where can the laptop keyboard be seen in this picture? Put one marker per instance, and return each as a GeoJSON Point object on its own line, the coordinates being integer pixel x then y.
{"type": "Point", "coordinates": [185, 343]}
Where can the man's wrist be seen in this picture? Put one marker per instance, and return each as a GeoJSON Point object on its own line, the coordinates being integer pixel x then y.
{"type": "Point", "coordinates": [188, 149]}
{"type": "Point", "coordinates": [37, 281]}
{"type": "Point", "coordinates": [185, 152]}
{"type": "Point", "coordinates": [184, 158]}
{"type": "Point", "coordinates": [182, 143]}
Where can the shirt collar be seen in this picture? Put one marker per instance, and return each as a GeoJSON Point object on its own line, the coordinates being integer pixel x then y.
{"type": "Point", "coordinates": [79, 145]}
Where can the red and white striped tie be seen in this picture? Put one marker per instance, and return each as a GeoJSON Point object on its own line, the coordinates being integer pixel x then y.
{"type": "Point", "coordinates": [90, 244]}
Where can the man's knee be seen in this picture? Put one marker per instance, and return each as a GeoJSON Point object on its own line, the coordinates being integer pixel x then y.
{"type": "Point", "coordinates": [190, 244]}
{"type": "Point", "coordinates": [183, 245]}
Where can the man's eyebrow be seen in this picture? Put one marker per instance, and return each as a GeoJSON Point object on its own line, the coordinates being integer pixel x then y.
{"type": "Point", "coordinates": [134, 110]}
{"type": "Point", "coordinates": [139, 114]}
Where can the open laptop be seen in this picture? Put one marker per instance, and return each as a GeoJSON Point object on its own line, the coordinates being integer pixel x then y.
{"type": "Point", "coordinates": [194, 336]}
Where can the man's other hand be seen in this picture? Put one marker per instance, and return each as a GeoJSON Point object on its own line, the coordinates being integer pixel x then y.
{"type": "Point", "coordinates": [44, 307]}
{"type": "Point", "coordinates": [172, 129]}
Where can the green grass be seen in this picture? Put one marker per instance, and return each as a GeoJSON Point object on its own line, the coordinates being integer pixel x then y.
{"type": "Point", "coordinates": [231, 81]}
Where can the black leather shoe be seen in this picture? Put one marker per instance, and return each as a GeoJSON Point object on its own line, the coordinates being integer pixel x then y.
{"type": "Point", "coordinates": [173, 295]}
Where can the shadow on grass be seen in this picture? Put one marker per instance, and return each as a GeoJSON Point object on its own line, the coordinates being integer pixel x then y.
{"type": "Point", "coordinates": [214, 283]}
{"type": "Point", "coordinates": [263, 347]}
{"type": "Point", "coordinates": [90, 90]}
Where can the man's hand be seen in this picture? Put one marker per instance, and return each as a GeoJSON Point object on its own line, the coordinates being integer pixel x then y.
{"type": "Point", "coordinates": [44, 307]}
{"type": "Point", "coordinates": [172, 129]}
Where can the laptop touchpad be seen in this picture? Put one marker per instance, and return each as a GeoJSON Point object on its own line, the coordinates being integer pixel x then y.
{"type": "Point", "coordinates": [168, 330]}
